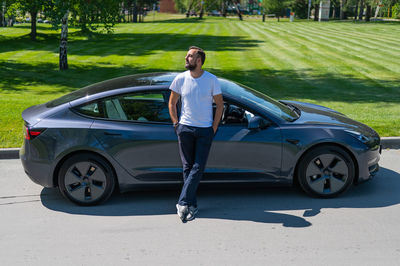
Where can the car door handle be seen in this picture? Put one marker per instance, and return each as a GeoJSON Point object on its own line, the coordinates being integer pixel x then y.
{"type": "Point", "coordinates": [112, 134]}
{"type": "Point", "coordinates": [293, 141]}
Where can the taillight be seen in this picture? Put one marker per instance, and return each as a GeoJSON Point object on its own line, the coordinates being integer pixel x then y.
{"type": "Point", "coordinates": [30, 133]}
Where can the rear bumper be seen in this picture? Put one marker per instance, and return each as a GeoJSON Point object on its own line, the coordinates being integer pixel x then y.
{"type": "Point", "coordinates": [38, 171]}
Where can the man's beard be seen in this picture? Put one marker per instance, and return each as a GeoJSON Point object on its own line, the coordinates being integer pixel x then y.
{"type": "Point", "coordinates": [190, 67]}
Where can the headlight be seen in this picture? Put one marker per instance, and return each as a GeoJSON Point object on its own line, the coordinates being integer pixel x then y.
{"type": "Point", "coordinates": [361, 137]}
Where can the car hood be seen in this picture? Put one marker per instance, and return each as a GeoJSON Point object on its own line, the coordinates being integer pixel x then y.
{"type": "Point", "coordinates": [319, 115]}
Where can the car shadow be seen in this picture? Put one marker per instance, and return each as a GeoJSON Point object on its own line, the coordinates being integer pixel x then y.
{"type": "Point", "coordinates": [254, 203]}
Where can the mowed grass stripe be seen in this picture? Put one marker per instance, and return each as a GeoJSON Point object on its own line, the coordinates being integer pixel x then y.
{"type": "Point", "coordinates": [333, 85]}
{"type": "Point", "coordinates": [158, 44]}
{"type": "Point", "coordinates": [279, 44]}
{"type": "Point", "coordinates": [372, 63]}
{"type": "Point", "coordinates": [357, 43]}
{"type": "Point", "coordinates": [328, 46]}
{"type": "Point", "coordinates": [176, 48]}
{"type": "Point", "coordinates": [350, 31]}
{"type": "Point", "coordinates": [283, 59]}
{"type": "Point", "coordinates": [268, 66]}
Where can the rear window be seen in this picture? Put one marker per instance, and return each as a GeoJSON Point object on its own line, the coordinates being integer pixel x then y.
{"type": "Point", "coordinates": [91, 109]}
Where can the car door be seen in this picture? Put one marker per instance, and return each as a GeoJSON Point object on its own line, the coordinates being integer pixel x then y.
{"type": "Point", "coordinates": [138, 133]}
{"type": "Point", "coordinates": [239, 153]}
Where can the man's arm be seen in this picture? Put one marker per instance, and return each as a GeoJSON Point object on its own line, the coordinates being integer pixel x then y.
{"type": "Point", "coordinates": [173, 100]}
{"type": "Point", "coordinates": [219, 102]}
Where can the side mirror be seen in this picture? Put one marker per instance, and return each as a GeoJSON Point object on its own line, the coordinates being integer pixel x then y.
{"type": "Point", "coordinates": [258, 122]}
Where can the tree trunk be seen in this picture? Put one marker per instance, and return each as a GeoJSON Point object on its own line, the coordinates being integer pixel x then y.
{"type": "Point", "coordinates": [135, 13]}
{"type": "Point", "coordinates": [11, 21]}
{"type": "Point", "coordinates": [341, 10]}
{"type": "Point", "coordinates": [63, 43]}
{"type": "Point", "coordinates": [368, 13]}
{"type": "Point", "coordinates": [316, 12]}
{"type": "Point", "coordinates": [361, 13]}
{"type": "Point", "coordinates": [356, 11]}
{"type": "Point", "coordinates": [189, 9]}
{"type": "Point", "coordinates": [2, 16]}
{"type": "Point", "coordinates": [377, 9]}
{"type": "Point", "coordinates": [33, 25]}
{"type": "Point", "coordinates": [201, 12]}
{"type": "Point", "coordinates": [238, 11]}
{"type": "Point", "coordinates": [223, 9]}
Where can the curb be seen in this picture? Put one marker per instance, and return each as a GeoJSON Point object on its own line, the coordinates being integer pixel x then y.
{"type": "Point", "coordinates": [387, 143]}
{"type": "Point", "coordinates": [9, 153]}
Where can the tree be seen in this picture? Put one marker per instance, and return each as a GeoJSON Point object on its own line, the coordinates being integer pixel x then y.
{"type": "Point", "coordinates": [300, 7]}
{"type": "Point", "coordinates": [85, 15]}
{"type": "Point", "coordinates": [276, 7]}
{"type": "Point", "coordinates": [33, 7]}
{"type": "Point", "coordinates": [3, 10]}
{"type": "Point", "coordinates": [88, 14]}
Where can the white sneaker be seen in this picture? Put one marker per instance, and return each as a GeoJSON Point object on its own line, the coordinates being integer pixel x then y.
{"type": "Point", "coordinates": [182, 211]}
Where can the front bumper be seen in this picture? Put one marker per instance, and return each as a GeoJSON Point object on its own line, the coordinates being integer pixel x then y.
{"type": "Point", "coordinates": [368, 164]}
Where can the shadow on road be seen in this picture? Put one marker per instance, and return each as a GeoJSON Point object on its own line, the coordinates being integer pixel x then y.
{"type": "Point", "coordinates": [242, 203]}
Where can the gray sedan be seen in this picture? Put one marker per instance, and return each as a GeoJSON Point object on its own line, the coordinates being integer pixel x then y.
{"type": "Point", "coordinates": [117, 134]}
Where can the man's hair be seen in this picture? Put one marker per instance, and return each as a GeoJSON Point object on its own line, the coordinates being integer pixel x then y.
{"type": "Point", "coordinates": [200, 52]}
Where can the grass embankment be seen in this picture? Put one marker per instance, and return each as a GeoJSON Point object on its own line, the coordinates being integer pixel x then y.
{"type": "Point", "coordinates": [351, 67]}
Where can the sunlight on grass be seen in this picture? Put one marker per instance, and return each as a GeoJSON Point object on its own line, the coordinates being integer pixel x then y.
{"type": "Point", "coordinates": [350, 67]}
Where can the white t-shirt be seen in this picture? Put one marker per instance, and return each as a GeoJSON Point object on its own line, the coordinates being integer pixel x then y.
{"type": "Point", "coordinates": [196, 97]}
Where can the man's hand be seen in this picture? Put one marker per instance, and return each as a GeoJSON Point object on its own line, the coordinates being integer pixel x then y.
{"type": "Point", "coordinates": [219, 102]}
{"type": "Point", "coordinates": [173, 100]}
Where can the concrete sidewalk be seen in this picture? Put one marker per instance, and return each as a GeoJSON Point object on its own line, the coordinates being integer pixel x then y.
{"type": "Point", "coordinates": [387, 143]}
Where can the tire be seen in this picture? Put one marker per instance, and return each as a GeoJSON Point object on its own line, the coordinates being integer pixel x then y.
{"type": "Point", "coordinates": [326, 171]}
{"type": "Point", "coordinates": [86, 179]}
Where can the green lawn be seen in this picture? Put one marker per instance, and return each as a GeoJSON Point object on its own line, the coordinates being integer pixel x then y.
{"type": "Point", "coordinates": [351, 67]}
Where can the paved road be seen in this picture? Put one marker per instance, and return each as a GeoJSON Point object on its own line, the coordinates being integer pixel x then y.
{"type": "Point", "coordinates": [236, 226]}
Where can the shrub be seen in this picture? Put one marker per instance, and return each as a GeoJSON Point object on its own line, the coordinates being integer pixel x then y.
{"type": "Point", "coordinates": [396, 11]}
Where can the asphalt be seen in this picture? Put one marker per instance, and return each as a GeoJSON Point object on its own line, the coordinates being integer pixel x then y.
{"type": "Point", "coordinates": [387, 143]}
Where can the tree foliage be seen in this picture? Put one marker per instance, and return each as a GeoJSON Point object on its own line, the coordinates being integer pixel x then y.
{"type": "Point", "coordinates": [88, 15]}
{"type": "Point", "coordinates": [276, 7]}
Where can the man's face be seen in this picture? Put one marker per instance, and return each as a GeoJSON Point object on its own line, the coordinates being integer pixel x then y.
{"type": "Point", "coordinates": [191, 59]}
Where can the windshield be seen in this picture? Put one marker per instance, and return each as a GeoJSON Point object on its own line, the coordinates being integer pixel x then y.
{"type": "Point", "coordinates": [259, 99]}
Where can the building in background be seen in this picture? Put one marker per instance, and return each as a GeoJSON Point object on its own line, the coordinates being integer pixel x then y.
{"type": "Point", "coordinates": [167, 6]}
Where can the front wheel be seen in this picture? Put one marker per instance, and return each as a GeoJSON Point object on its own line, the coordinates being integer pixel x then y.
{"type": "Point", "coordinates": [86, 179]}
{"type": "Point", "coordinates": [326, 171]}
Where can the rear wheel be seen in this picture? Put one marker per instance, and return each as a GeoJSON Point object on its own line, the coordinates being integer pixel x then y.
{"type": "Point", "coordinates": [86, 179]}
{"type": "Point", "coordinates": [326, 171]}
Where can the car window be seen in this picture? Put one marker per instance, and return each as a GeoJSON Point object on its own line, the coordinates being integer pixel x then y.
{"type": "Point", "coordinates": [234, 114]}
{"type": "Point", "coordinates": [139, 106]}
{"type": "Point", "coordinates": [91, 109]}
{"type": "Point", "coordinates": [249, 97]}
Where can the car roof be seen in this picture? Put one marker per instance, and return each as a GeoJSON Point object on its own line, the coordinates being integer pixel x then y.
{"type": "Point", "coordinates": [138, 80]}
{"type": "Point", "coordinates": [130, 81]}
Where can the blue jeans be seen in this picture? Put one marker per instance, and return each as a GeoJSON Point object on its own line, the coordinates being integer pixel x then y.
{"type": "Point", "coordinates": [194, 147]}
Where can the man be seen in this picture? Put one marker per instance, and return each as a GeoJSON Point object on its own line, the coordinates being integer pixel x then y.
{"type": "Point", "coordinates": [196, 127]}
